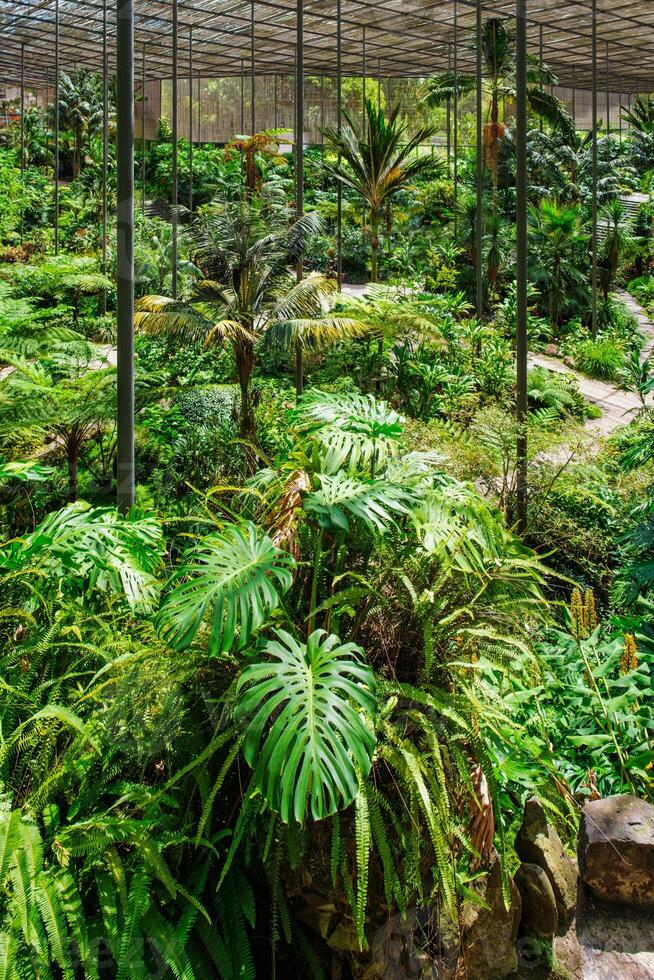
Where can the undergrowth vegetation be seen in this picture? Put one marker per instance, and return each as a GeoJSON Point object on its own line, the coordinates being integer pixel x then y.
{"type": "Point", "coordinates": [306, 684]}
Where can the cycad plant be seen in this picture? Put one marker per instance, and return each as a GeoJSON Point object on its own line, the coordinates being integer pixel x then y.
{"type": "Point", "coordinates": [376, 162]}
{"type": "Point", "coordinates": [248, 293]}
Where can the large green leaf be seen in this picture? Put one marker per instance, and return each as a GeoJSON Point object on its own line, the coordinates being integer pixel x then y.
{"type": "Point", "coordinates": [239, 573]}
{"type": "Point", "coordinates": [92, 549]}
{"type": "Point", "coordinates": [375, 502]}
{"type": "Point", "coordinates": [350, 430]}
{"type": "Point", "coordinates": [307, 733]}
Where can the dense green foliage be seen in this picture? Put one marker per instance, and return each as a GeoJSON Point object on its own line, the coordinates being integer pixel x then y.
{"type": "Point", "coordinates": [314, 666]}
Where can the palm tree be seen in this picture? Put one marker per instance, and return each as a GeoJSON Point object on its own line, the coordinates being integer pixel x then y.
{"type": "Point", "coordinates": [640, 115]}
{"type": "Point", "coordinates": [248, 293]}
{"type": "Point", "coordinates": [376, 162]}
{"type": "Point", "coordinates": [617, 243]}
{"type": "Point", "coordinates": [498, 53]}
{"type": "Point", "coordinates": [69, 411]}
{"type": "Point", "coordinates": [80, 108]}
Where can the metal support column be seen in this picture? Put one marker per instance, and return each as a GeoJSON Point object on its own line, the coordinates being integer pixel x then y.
{"type": "Point", "coordinates": [479, 300]}
{"type": "Point", "coordinates": [594, 171]}
{"type": "Point", "coordinates": [22, 131]}
{"type": "Point", "coordinates": [363, 75]}
{"type": "Point", "coordinates": [105, 145]}
{"type": "Point", "coordinates": [56, 133]}
{"type": "Point", "coordinates": [143, 129]}
{"type": "Point", "coordinates": [275, 99]}
{"type": "Point", "coordinates": [125, 249]}
{"type": "Point", "coordinates": [253, 87]}
{"type": "Point", "coordinates": [339, 111]}
{"type": "Point", "coordinates": [540, 58]}
{"type": "Point", "coordinates": [175, 155]}
{"type": "Point", "coordinates": [574, 96]}
{"type": "Point", "coordinates": [456, 116]}
{"type": "Point", "coordinates": [242, 133]}
{"type": "Point", "coordinates": [608, 94]}
{"type": "Point", "coordinates": [448, 119]}
{"type": "Point", "coordinates": [190, 118]}
{"type": "Point", "coordinates": [521, 263]}
{"type": "Point", "coordinates": [299, 158]}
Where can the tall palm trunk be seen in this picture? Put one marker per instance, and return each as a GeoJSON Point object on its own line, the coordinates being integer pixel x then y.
{"type": "Point", "coordinates": [77, 158]}
{"type": "Point", "coordinates": [244, 365]}
{"type": "Point", "coordinates": [374, 243]}
{"type": "Point", "coordinates": [72, 459]}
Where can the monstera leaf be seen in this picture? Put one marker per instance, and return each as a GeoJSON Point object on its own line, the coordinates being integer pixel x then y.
{"type": "Point", "coordinates": [238, 573]}
{"type": "Point", "coordinates": [375, 502]}
{"type": "Point", "coordinates": [307, 716]}
{"type": "Point", "coordinates": [351, 431]}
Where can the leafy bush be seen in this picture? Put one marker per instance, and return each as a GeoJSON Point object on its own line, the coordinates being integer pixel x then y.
{"type": "Point", "coordinates": [602, 358]}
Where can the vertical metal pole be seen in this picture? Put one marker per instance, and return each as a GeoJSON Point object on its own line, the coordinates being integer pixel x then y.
{"type": "Point", "coordinates": [125, 249]}
{"type": "Point", "coordinates": [620, 117]}
{"type": "Point", "coordinates": [448, 118]}
{"type": "Point", "coordinates": [608, 94]}
{"type": "Point", "coordinates": [190, 118]}
{"type": "Point", "coordinates": [322, 114]}
{"type": "Point", "coordinates": [199, 139]}
{"type": "Point", "coordinates": [253, 89]}
{"type": "Point", "coordinates": [242, 133]}
{"type": "Point", "coordinates": [479, 299]}
{"type": "Point", "coordinates": [594, 170]}
{"type": "Point", "coordinates": [540, 56]}
{"type": "Point", "coordinates": [105, 145]}
{"type": "Point", "coordinates": [521, 263]}
{"type": "Point", "coordinates": [363, 67]}
{"type": "Point", "coordinates": [456, 116]}
{"type": "Point", "coordinates": [379, 83]}
{"type": "Point", "coordinates": [339, 111]}
{"type": "Point", "coordinates": [143, 130]}
{"type": "Point", "coordinates": [56, 133]}
{"type": "Point", "coordinates": [174, 128]}
{"type": "Point", "coordinates": [22, 131]}
{"type": "Point", "coordinates": [275, 98]}
{"type": "Point", "coordinates": [299, 157]}
{"type": "Point", "coordinates": [47, 85]}
{"type": "Point", "coordinates": [574, 96]}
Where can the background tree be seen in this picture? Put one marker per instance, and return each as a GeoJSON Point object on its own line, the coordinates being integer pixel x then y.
{"type": "Point", "coordinates": [247, 292]}
{"type": "Point", "coordinates": [376, 162]}
{"type": "Point", "coordinates": [498, 52]}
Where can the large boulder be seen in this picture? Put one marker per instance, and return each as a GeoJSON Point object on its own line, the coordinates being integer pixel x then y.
{"type": "Point", "coordinates": [489, 934]}
{"type": "Point", "coordinates": [540, 916]}
{"type": "Point", "coordinates": [616, 851]}
{"type": "Point", "coordinates": [538, 843]}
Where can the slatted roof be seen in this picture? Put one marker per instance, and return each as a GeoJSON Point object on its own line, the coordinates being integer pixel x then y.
{"type": "Point", "coordinates": [397, 38]}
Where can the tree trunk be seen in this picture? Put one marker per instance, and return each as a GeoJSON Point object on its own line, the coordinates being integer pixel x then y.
{"type": "Point", "coordinates": [299, 370]}
{"type": "Point", "coordinates": [244, 365]}
{"type": "Point", "coordinates": [77, 159]}
{"type": "Point", "coordinates": [72, 455]}
{"type": "Point", "coordinates": [374, 243]}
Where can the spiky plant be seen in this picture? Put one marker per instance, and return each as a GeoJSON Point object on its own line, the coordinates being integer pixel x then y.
{"type": "Point", "coordinates": [376, 162]}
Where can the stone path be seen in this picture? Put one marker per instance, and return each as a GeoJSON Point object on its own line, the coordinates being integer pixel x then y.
{"type": "Point", "coordinates": [618, 407]}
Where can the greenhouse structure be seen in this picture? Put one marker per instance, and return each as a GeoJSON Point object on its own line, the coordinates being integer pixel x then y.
{"type": "Point", "coordinates": [326, 488]}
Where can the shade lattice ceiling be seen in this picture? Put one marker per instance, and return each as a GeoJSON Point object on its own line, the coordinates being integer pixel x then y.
{"type": "Point", "coordinates": [407, 38]}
